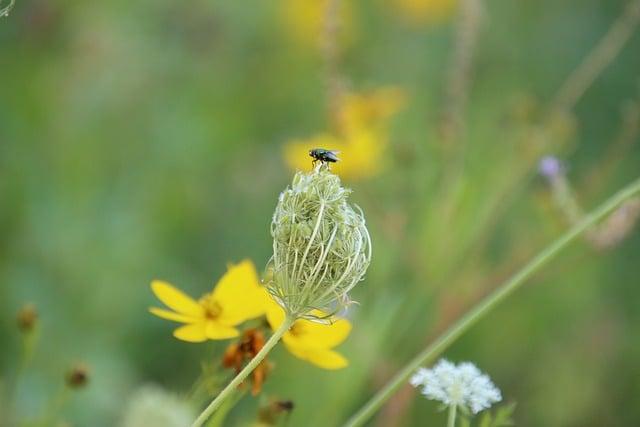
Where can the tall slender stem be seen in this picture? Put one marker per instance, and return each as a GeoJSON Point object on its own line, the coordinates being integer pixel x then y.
{"type": "Point", "coordinates": [4, 10]}
{"type": "Point", "coordinates": [330, 49]}
{"type": "Point", "coordinates": [54, 407]}
{"type": "Point", "coordinates": [242, 375]}
{"type": "Point", "coordinates": [491, 301]}
{"type": "Point", "coordinates": [451, 420]}
{"type": "Point", "coordinates": [459, 77]}
{"type": "Point", "coordinates": [599, 58]}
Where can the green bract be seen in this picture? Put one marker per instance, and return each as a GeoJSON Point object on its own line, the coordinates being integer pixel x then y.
{"type": "Point", "coordinates": [321, 246]}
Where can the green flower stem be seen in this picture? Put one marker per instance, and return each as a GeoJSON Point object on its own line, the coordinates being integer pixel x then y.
{"type": "Point", "coordinates": [29, 342]}
{"type": "Point", "coordinates": [218, 419]}
{"type": "Point", "coordinates": [485, 306]}
{"type": "Point", "coordinates": [55, 405]}
{"type": "Point", "coordinates": [242, 375]}
{"type": "Point", "coordinates": [4, 11]}
{"type": "Point", "coordinates": [451, 420]}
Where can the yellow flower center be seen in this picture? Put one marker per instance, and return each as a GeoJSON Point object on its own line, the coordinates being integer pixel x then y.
{"type": "Point", "coordinates": [212, 308]}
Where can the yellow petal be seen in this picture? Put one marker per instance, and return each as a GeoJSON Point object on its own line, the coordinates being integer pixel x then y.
{"type": "Point", "coordinates": [310, 334]}
{"type": "Point", "coordinates": [303, 21]}
{"type": "Point", "coordinates": [176, 299]}
{"type": "Point", "coordinates": [240, 294]}
{"type": "Point", "coordinates": [292, 345]}
{"type": "Point", "coordinates": [319, 335]}
{"type": "Point", "coordinates": [326, 359]}
{"type": "Point", "coordinates": [171, 315]}
{"type": "Point", "coordinates": [216, 331]}
{"type": "Point", "coordinates": [275, 315]}
{"type": "Point", "coordinates": [365, 148]}
{"type": "Point", "coordinates": [196, 332]}
{"type": "Point", "coordinates": [369, 110]}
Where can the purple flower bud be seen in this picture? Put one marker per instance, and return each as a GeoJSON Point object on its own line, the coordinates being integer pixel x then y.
{"type": "Point", "coordinates": [550, 167]}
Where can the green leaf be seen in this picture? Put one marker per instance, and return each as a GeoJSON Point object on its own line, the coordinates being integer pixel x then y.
{"type": "Point", "coordinates": [503, 415]}
{"type": "Point", "coordinates": [486, 420]}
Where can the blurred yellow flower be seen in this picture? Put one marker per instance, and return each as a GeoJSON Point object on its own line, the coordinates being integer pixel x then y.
{"type": "Point", "coordinates": [304, 20]}
{"type": "Point", "coordinates": [362, 135]}
{"type": "Point", "coordinates": [237, 297]}
{"type": "Point", "coordinates": [370, 110]}
{"type": "Point", "coordinates": [421, 12]}
{"type": "Point", "coordinates": [312, 341]}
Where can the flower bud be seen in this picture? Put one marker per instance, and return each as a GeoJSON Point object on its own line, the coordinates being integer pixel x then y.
{"type": "Point", "coordinates": [550, 167]}
{"type": "Point", "coordinates": [321, 246]}
{"type": "Point", "coordinates": [270, 414]}
{"type": "Point", "coordinates": [27, 318]}
{"type": "Point", "coordinates": [78, 376]}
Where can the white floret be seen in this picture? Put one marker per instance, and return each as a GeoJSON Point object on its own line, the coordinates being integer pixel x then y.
{"type": "Point", "coordinates": [463, 385]}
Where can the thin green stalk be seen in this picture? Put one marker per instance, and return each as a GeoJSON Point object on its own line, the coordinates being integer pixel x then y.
{"type": "Point", "coordinates": [4, 11]}
{"type": "Point", "coordinates": [460, 74]}
{"type": "Point", "coordinates": [451, 420]}
{"type": "Point", "coordinates": [218, 419]}
{"type": "Point", "coordinates": [334, 81]}
{"type": "Point", "coordinates": [29, 342]}
{"type": "Point", "coordinates": [242, 375]}
{"type": "Point", "coordinates": [491, 301]}
{"type": "Point", "coordinates": [599, 58]}
{"type": "Point", "coordinates": [54, 407]}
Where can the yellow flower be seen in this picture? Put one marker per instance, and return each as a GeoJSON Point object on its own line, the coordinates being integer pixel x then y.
{"type": "Point", "coordinates": [237, 297]}
{"type": "Point", "coordinates": [370, 110]}
{"type": "Point", "coordinates": [312, 341]}
{"type": "Point", "coordinates": [304, 20]}
{"type": "Point", "coordinates": [362, 135]}
{"type": "Point", "coordinates": [428, 12]}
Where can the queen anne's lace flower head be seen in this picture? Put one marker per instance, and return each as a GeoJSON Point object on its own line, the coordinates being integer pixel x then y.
{"type": "Point", "coordinates": [321, 246]}
{"type": "Point", "coordinates": [463, 385]}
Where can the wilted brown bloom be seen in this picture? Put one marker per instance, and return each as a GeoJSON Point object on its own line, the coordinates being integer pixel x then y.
{"type": "Point", "coordinates": [617, 227]}
{"type": "Point", "coordinates": [243, 351]}
{"type": "Point", "coordinates": [270, 414]}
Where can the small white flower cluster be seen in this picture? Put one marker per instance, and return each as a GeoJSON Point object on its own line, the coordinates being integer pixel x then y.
{"type": "Point", "coordinates": [152, 405]}
{"type": "Point", "coordinates": [463, 385]}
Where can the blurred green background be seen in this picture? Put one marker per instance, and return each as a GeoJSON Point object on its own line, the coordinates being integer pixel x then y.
{"type": "Point", "coordinates": [143, 140]}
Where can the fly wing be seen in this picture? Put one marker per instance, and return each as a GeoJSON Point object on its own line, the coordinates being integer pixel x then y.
{"type": "Point", "coordinates": [333, 155]}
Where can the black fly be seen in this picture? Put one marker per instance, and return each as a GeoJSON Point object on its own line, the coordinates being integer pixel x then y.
{"type": "Point", "coordinates": [323, 156]}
